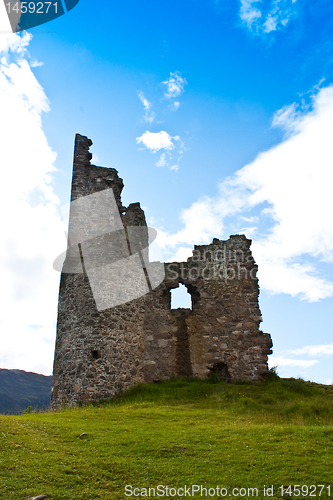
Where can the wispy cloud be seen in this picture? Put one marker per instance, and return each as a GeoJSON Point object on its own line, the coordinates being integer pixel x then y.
{"type": "Point", "coordinates": [289, 189]}
{"type": "Point", "coordinates": [32, 232]}
{"type": "Point", "coordinates": [14, 44]}
{"type": "Point", "coordinates": [174, 106]}
{"type": "Point", "coordinates": [290, 357]}
{"type": "Point", "coordinates": [261, 16]}
{"type": "Point", "coordinates": [36, 64]}
{"type": "Point", "coordinates": [174, 85]}
{"type": "Point", "coordinates": [281, 361]}
{"type": "Point", "coordinates": [249, 13]}
{"type": "Point", "coordinates": [149, 115]}
{"type": "Point", "coordinates": [156, 141]}
{"type": "Point", "coordinates": [315, 350]}
{"type": "Point", "coordinates": [162, 162]}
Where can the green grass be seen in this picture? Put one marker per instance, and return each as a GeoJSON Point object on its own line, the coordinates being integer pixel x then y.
{"type": "Point", "coordinates": [174, 433]}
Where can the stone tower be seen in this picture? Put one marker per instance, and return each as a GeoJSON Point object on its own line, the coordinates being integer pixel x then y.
{"type": "Point", "coordinates": [102, 351]}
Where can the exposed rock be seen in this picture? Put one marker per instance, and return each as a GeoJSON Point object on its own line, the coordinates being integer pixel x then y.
{"type": "Point", "coordinates": [84, 434]}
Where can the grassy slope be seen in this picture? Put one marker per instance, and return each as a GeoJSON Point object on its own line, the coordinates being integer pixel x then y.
{"type": "Point", "coordinates": [173, 433]}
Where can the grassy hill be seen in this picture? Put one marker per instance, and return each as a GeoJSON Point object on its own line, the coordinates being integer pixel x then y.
{"type": "Point", "coordinates": [20, 389]}
{"type": "Point", "coordinates": [174, 434]}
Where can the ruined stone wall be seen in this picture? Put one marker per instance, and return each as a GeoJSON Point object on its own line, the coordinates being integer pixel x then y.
{"type": "Point", "coordinates": [223, 327]}
{"type": "Point", "coordinates": [99, 353]}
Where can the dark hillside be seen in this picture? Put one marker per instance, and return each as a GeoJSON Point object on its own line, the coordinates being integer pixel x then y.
{"type": "Point", "coordinates": [20, 389]}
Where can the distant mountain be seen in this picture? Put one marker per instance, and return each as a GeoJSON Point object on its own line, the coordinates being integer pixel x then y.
{"type": "Point", "coordinates": [20, 389]}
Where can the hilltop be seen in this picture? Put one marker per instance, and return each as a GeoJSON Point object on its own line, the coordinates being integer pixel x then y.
{"type": "Point", "coordinates": [175, 433]}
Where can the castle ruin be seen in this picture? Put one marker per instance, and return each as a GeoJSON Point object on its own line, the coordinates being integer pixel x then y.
{"type": "Point", "coordinates": [100, 353]}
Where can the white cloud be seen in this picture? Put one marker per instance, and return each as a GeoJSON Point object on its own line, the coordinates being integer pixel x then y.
{"type": "Point", "coordinates": [200, 221]}
{"type": "Point", "coordinates": [174, 85]}
{"type": "Point", "coordinates": [182, 254]}
{"type": "Point", "coordinates": [174, 106]}
{"type": "Point", "coordinates": [249, 219]}
{"type": "Point", "coordinates": [315, 350]}
{"type": "Point", "coordinates": [149, 115]}
{"type": "Point", "coordinates": [249, 13]}
{"type": "Point", "coordinates": [294, 279]}
{"type": "Point", "coordinates": [156, 141]}
{"type": "Point", "coordinates": [5, 27]}
{"type": "Point", "coordinates": [145, 102]}
{"type": "Point", "coordinates": [162, 161]}
{"type": "Point", "coordinates": [287, 118]}
{"type": "Point", "coordinates": [294, 179]}
{"type": "Point", "coordinates": [262, 17]}
{"type": "Point", "coordinates": [271, 23]}
{"type": "Point", "coordinates": [36, 64]}
{"type": "Point", "coordinates": [287, 358]}
{"type": "Point", "coordinates": [32, 232]}
{"type": "Point", "coordinates": [14, 43]}
{"type": "Point", "coordinates": [280, 361]}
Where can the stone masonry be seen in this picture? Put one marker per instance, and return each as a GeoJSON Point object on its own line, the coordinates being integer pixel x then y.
{"type": "Point", "coordinates": [101, 353]}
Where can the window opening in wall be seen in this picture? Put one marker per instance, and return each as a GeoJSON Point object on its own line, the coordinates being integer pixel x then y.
{"type": "Point", "coordinates": [220, 372]}
{"type": "Point", "coordinates": [95, 354]}
{"type": "Point", "coordinates": [181, 298]}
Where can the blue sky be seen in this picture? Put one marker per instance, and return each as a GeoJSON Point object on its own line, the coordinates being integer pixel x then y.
{"type": "Point", "coordinates": [218, 116]}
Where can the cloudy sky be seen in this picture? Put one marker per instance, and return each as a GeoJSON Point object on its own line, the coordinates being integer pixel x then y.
{"type": "Point", "coordinates": [217, 114]}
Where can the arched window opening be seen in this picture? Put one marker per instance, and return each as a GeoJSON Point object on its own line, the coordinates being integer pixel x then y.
{"type": "Point", "coordinates": [181, 298]}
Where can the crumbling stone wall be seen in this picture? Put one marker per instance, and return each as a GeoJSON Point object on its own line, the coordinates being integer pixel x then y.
{"type": "Point", "coordinates": [100, 353]}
